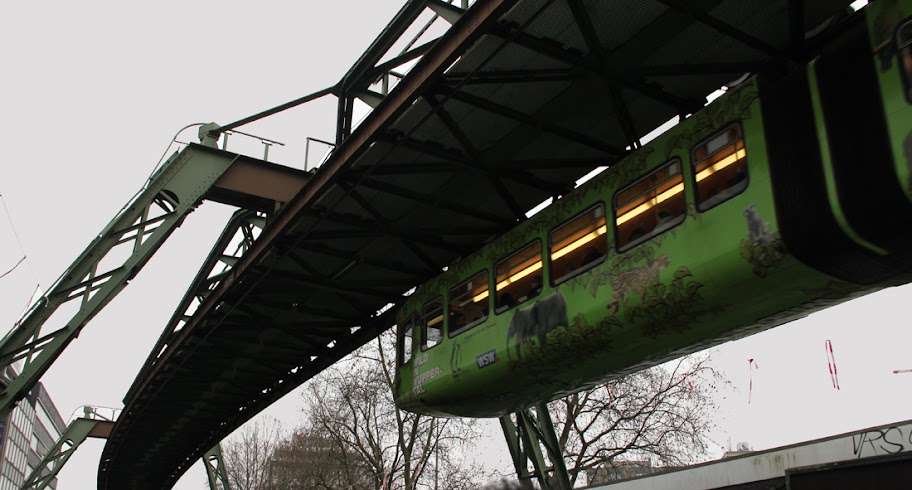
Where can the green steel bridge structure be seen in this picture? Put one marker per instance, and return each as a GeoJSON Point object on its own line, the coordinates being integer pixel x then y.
{"type": "Point", "coordinates": [480, 111]}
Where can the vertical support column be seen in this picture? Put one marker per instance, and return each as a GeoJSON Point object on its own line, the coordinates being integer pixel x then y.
{"type": "Point", "coordinates": [215, 469]}
{"type": "Point", "coordinates": [532, 439]}
{"type": "Point", "coordinates": [344, 116]}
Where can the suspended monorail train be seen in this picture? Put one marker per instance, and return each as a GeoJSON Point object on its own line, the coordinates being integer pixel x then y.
{"type": "Point", "coordinates": [786, 195]}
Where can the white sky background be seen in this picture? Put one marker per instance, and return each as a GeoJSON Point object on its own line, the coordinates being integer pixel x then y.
{"type": "Point", "coordinates": [93, 91]}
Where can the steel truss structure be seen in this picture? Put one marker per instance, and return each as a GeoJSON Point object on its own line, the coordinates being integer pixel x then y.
{"type": "Point", "coordinates": [75, 434]}
{"type": "Point", "coordinates": [106, 266]}
{"type": "Point", "coordinates": [82, 428]}
{"type": "Point", "coordinates": [215, 469]}
{"type": "Point", "coordinates": [487, 124]}
{"type": "Point", "coordinates": [531, 438]}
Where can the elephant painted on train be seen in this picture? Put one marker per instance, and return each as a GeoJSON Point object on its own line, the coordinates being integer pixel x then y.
{"type": "Point", "coordinates": [537, 320]}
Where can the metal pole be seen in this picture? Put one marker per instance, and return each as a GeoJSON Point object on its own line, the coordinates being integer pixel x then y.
{"type": "Point", "coordinates": [306, 152]}
{"type": "Point", "coordinates": [436, 453]}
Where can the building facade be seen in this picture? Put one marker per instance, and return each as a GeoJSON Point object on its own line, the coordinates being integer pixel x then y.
{"type": "Point", "coordinates": [26, 436]}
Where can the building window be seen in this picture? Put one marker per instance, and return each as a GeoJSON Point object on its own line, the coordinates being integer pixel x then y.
{"type": "Point", "coordinates": [468, 304]}
{"type": "Point", "coordinates": [432, 323]}
{"type": "Point", "coordinates": [46, 421]}
{"type": "Point", "coordinates": [578, 244]}
{"type": "Point", "coordinates": [650, 206]}
{"type": "Point", "coordinates": [519, 277]}
{"type": "Point", "coordinates": [720, 168]}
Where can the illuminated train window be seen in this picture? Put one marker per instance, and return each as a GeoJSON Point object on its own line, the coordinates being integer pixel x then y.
{"type": "Point", "coordinates": [579, 244]}
{"type": "Point", "coordinates": [405, 341]}
{"type": "Point", "coordinates": [904, 48]}
{"type": "Point", "coordinates": [519, 277]}
{"type": "Point", "coordinates": [468, 304]}
{"type": "Point", "coordinates": [650, 206]}
{"type": "Point", "coordinates": [432, 323]}
{"type": "Point", "coordinates": [720, 168]}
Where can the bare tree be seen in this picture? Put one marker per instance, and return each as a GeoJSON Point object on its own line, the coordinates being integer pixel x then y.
{"type": "Point", "coordinates": [248, 454]}
{"type": "Point", "coordinates": [662, 414]}
{"type": "Point", "coordinates": [308, 459]}
{"type": "Point", "coordinates": [351, 405]}
{"type": "Point", "coordinates": [355, 438]}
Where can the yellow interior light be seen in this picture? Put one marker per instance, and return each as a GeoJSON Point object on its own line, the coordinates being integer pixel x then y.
{"type": "Point", "coordinates": [734, 157]}
{"type": "Point", "coordinates": [664, 196]}
{"type": "Point", "coordinates": [519, 275]}
{"type": "Point", "coordinates": [580, 242]}
{"type": "Point", "coordinates": [650, 203]}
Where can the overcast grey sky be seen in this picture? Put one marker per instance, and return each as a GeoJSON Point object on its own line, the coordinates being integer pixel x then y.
{"type": "Point", "coordinates": [92, 94]}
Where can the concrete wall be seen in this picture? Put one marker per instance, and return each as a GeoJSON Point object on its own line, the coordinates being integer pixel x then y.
{"type": "Point", "coordinates": [772, 463]}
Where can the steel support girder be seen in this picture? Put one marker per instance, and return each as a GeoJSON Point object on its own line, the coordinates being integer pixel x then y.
{"type": "Point", "coordinates": [530, 120]}
{"type": "Point", "coordinates": [81, 429]}
{"type": "Point", "coordinates": [433, 200]}
{"type": "Point", "coordinates": [446, 11]}
{"type": "Point", "coordinates": [236, 238]}
{"type": "Point", "coordinates": [704, 18]}
{"type": "Point", "coordinates": [443, 54]}
{"type": "Point", "coordinates": [74, 435]}
{"type": "Point", "coordinates": [215, 469]}
{"type": "Point", "coordinates": [610, 72]}
{"type": "Point", "coordinates": [363, 73]}
{"type": "Point", "coordinates": [142, 226]}
{"type": "Point", "coordinates": [467, 161]}
{"type": "Point", "coordinates": [511, 76]}
{"type": "Point", "coordinates": [467, 145]}
{"type": "Point", "coordinates": [530, 439]}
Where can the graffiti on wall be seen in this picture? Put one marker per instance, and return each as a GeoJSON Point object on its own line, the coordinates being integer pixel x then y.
{"type": "Point", "coordinates": [890, 440]}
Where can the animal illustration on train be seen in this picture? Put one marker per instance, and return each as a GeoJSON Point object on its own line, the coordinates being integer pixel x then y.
{"type": "Point", "coordinates": [790, 193]}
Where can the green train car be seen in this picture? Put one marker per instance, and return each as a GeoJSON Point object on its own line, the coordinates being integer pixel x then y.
{"type": "Point", "coordinates": [788, 194]}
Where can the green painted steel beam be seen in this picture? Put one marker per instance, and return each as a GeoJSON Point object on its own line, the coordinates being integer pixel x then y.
{"type": "Point", "coordinates": [215, 469]}
{"type": "Point", "coordinates": [81, 429]}
{"type": "Point", "coordinates": [74, 435]}
{"type": "Point", "coordinates": [113, 258]}
{"type": "Point", "coordinates": [531, 439]}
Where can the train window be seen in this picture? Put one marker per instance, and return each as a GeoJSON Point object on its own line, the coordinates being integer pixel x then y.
{"type": "Point", "coordinates": [650, 206]}
{"type": "Point", "coordinates": [519, 277]}
{"type": "Point", "coordinates": [405, 342]}
{"type": "Point", "coordinates": [578, 244]}
{"type": "Point", "coordinates": [432, 323]}
{"type": "Point", "coordinates": [720, 168]}
{"type": "Point", "coordinates": [904, 45]}
{"type": "Point", "coordinates": [468, 304]}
